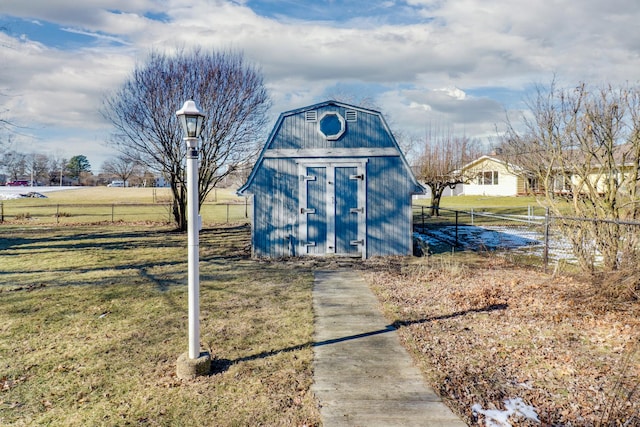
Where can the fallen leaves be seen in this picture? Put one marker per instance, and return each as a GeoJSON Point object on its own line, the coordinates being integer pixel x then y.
{"type": "Point", "coordinates": [7, 383]}
{"type": "Point", "coordinates": [556, 343]}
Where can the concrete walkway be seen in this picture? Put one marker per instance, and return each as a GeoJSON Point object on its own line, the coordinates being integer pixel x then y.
{"type": "Point", "coordinates": [362, 375]}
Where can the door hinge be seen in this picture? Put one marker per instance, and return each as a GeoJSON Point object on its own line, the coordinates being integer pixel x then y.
{"type": "Point", "coordinates": [356, 210]}
{"type": "Point", "coordinates": [308, 177]}
{"type": "Point", "coordinates": [307, 210]}
{"type": "Point", "coordinates": [361, 176]}
{"type": "Point", "coordinates": [356, 242]}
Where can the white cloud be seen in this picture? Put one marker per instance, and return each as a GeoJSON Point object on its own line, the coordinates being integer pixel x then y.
{"type": "Point", "coordinates": [416, 105]}
{"type": "Point", "coordinates": [425, 71]}
{"type": "Point", "coordinates": [453, 92]}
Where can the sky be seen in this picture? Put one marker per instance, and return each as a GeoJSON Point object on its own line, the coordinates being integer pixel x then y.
{"type": "Point", "coordinates": [459, 65]}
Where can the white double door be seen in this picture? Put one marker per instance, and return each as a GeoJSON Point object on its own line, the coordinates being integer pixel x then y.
{"type": "Point", "coordinates": [333, 208]}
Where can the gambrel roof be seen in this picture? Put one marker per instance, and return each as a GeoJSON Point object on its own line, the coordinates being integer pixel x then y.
{"type": "Point", "coordinates": [330, 129]}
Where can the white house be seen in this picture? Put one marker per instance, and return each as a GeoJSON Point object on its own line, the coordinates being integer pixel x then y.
{"type": "Point", "coordinates": [491, 176]}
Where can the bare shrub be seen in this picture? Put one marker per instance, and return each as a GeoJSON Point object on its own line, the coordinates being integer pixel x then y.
{"type": "Point", "coordinates": [582, 146]}
{"type": "Point", "coordinates": [621, 286]}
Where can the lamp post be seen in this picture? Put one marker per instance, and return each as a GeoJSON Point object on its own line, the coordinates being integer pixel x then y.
{"type": "Point", "coordinates": [194, 362]}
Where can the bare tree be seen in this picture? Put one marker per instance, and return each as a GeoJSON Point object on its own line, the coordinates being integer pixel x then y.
{"type": "Point", "coordinates": [439, 165]}
{"type": "Point", "coordinates": [347, 97]}
{"type": "Point", "coordinates": [122, 167]}
{"type": "Point", "coordinates": [15, 164]}
{"type": "Point", "coordinates": [37, 167]}
{"type": "Point", "coordinates": [7, 126]}
{"type": "Point", "coordinates": [56, 169]}
{"type": "Point", "coordinates": [228, 90]}
{"type": "Point", "coordinates": [583, 145]}
{"type": "Point", "coordinates": [352, 98]}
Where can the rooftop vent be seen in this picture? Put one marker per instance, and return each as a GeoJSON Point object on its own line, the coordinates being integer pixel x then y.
{"type": "Point", "coordinates": [311, 116]}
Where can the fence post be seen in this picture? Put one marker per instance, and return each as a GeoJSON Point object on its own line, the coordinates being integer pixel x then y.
{"type": "Point", "coordinates": [545, 254]}
{"type": "Point", "coordinates": [58, 213]}
{"type": "Point", "coordinates": [113, 206]}
{"type": "Point", "coordinates": [457, 228]}
{"type": "Point", "coordinates": [246, 206]}
{"type": "Point", "coordinates": [1, 212]}
{"type": "Point", "coordinates": [472, 216]}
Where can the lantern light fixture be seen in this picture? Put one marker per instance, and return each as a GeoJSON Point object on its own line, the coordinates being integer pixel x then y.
{"type": "Point", "coordinates": [191, 119]}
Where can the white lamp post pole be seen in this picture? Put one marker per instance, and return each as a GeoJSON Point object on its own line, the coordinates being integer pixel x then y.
{"type": "Point", "coordinates": [198, 364]}
{"type": "Point", "coordinates": [193, 230]}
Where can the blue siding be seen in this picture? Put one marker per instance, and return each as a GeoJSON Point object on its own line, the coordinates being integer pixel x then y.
{"type": "Point", "coordinates": [346, 222]}
{"type": "Point", "coordinates": [388, 207]}
{"type": "Point", "coordinates": [317, 226]}
{"type": "Point", "coordinates": [368, 131]}
{"type": "Point", "coordinates": [276, 184]}
{"type": "Point", "coordinates": [275, 190]}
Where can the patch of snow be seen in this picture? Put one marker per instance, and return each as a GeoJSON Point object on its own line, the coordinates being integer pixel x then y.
{"type": "Point", "coordinates": [10, 196]}
{"type": "Point", "coordinates": [515, 408]}
{"type": "Point", "coordinates": [31, 194]}
{"type": "Point", "coordinates": [10, 193]}
{"type": "Point", "coordinates": [477, 238]}
{"type": "Point", "coordinates": [519, 407]}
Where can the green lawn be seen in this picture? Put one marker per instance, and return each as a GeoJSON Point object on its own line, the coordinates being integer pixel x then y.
{"type": "Point", "coordinates": [483, 202]}
{"type": "Point", "coordinates": [510, 205]}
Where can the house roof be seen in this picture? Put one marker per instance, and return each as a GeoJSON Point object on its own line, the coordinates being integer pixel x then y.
{"type": "Point", "coordinates": [492, 158]}
{"type": "Point", "coordinates": [623, 155]}
{"type": "Point", "coordinates": [419, 189]}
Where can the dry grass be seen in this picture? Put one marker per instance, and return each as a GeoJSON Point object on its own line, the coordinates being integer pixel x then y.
{"type": "Point", "coordinates": [484, 331]}
{"type": "Point", "coordinates": [104, 205]}
{"type": "Point", "coordinates": [92, 321]}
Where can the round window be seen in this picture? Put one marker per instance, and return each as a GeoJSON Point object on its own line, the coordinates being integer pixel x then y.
{"type": "Point", "coordinates": [331, 125]}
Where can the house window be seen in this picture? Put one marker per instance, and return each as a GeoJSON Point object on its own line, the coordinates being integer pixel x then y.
{"type": "Point", "coordinates": [488, 178]}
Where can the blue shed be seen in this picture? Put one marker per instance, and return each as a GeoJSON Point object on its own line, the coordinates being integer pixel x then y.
{"type": "Point", "coordinates": [331, 179]}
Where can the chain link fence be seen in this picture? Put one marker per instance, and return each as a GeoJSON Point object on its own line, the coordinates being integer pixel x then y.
{"type": "Point", "coordinates": [529, 230]}
{"type": "Point", "coordinates": [45, 213]}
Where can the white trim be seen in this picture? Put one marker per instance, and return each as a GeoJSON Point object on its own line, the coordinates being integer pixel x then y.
{"type": "Point", "coordinates": [361, 177]}
{"type": "Point", "coordinates": [343, 126]}
{"type": "Point", "coordinates": [362, 204]}
{"type": "Point", "coordinates": [302, 203]}
{"type": "Point", "coordinates": [331, 210]}
{"type": "Point", "coordinates": [324, 153]}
